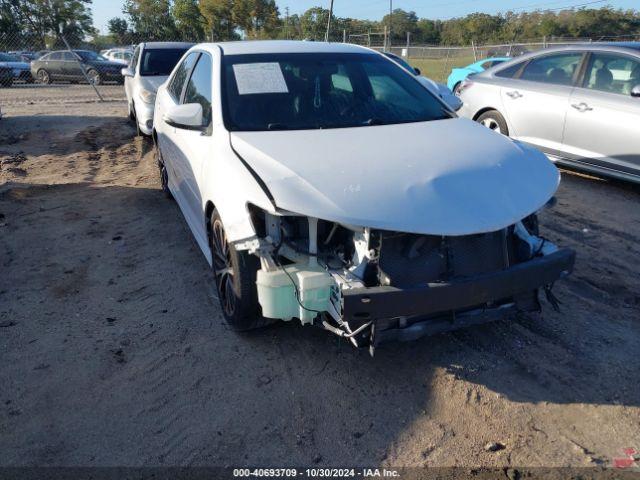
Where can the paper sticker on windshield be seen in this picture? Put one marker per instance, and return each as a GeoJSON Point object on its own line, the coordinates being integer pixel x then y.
{"type": "Point", "coordinates": [259, 78]}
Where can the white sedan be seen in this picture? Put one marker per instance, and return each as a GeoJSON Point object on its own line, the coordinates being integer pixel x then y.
{"type": "Point", "coordinates": [324, 183]}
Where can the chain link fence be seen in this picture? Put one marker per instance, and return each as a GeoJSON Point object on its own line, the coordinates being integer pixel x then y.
{"type": "Point", "coordinates": [55, 70]}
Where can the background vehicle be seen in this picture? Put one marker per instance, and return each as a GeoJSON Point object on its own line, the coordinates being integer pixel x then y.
{"type": "Point", "coordinates": [580, 105]}
{"type": "Point", "coordinates": [19, 69]}
{"type": "Point", "coordinates": [6, 76]}
{"type": "Point", "coordinates": [436, 88]}
{"type": "Point", "coordinates": [119, 55]}
{"type": "Point", "coordinates": [458, 75]}
{"type": "Point", "coordinates": [278, 155]}
{"type": "Point", "coordinates": [151, 64]}
{"type": "Point", "coordinates": [65, 65]}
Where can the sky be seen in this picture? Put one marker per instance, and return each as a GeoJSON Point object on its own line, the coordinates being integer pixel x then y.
{"type": "Point", "coordinates": [103, 10]}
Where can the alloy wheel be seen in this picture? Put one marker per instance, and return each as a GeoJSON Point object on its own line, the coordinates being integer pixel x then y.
{"type": "Point", "coordinates": [223, 268]}
{"type": "Point", "coordinates": [492, 124]}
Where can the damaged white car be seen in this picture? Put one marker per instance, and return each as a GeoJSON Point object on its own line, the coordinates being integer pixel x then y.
{"type": "Point", "coordinates": [323, 183]}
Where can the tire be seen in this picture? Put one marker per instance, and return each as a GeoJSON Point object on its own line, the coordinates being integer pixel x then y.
{"type": "Point", "coordinates": [235, 277]}
{"type": "Point", "coordinates": [43, 77]}
{"type": "Point", "coordinates": [456, 88]}
{"type": "Point", "coordinates": [94, 77]}
{"type": "Point", "coordinates": [135, 121]}
{"type": "Point", "coordinates": [164, 173]}
{"type": "Point", "coordinates": [493, 120]}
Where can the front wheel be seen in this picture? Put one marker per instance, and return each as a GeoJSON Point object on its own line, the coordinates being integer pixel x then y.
{"type": "Point", "coordinates": [494, 120]}
{"type": "Point", "coordinates": [456, 88]}
{"type": "Point", "coordinates": [164, 173]}
{"type": "Point", "coordinates": [235, 277]}
{"type": "Point", "coordinates": [94, 77]}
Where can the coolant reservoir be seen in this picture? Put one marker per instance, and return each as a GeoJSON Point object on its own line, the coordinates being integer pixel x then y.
{"type": "Point", "coordinates": [277, 295]}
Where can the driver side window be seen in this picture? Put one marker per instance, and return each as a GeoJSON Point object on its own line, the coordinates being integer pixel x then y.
{"type": "Point", "coordinates": [612, 73]}
{"type": "Point", "coordinates": [180, 77]}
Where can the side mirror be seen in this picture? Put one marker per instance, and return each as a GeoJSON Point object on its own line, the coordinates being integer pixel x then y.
{"type": "Point", "coordinates": [417, 70]}
{"type": "Point", "coordinates": [635, 91]}
{"type": "Point", "coordinates": [127, 72]}
{"type": "Point", "coordinates": [186, 117]}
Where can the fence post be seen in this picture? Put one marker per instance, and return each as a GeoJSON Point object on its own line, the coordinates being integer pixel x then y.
{"type": "Point", "coordinates": [84, 72]}
{"type": "Point", "coordinates": [344, 35]}
{"type": "Point", "coordinates": [369, 38]}
{"type": "Point", "coordinates": [475, 55]}
{"type": "Point", "coordinates": [408, 42]}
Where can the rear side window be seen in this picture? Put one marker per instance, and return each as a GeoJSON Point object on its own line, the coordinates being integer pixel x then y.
{"type": "Point", "coordinates": [510, 72]}
{"type": "Point", "coordinates": [181, 75]}
{"type": "Point", "coordinates": [556, 69]}
{"type": "Point", "coordinates": [55, 56]}
{"type": "Point", "coordinates": [199, 88]}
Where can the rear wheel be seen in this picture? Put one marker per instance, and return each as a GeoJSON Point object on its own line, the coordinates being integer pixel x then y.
{"type": "Point", "coordinates": [135, 121]}
{"type": "Point", "coordinates": [43, 76]}
{"type": "Point", "coordinates": [235, 276]}
{"type": "Point", "coordinates": [494, 120]}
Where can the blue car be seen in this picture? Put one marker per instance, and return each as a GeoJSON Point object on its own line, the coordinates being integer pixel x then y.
{"type": "Point", "coordinates": [458, 75]}
{"type": "Point", "coordinates": [21, 71]}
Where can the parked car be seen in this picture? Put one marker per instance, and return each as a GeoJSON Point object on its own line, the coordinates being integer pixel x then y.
{"type": "Point", "coordinates": [436, 88]}
{"type": "Point", "coordinates": [6, 75]}
{"type": "Point", "coordinates": [151, 64]}
{"type": "Point", "coordinates": [321, 183]}
{"type": "Point", "coordinates": [68, 66]}
{"type": "Point", "coordinates": [120, 55]}
{"type": "Point", "coordinates": [459, 75]}
{"type": "Point", "coordinates": [580, 105]}
{"type": "Point", "coordinates": [20, 70]}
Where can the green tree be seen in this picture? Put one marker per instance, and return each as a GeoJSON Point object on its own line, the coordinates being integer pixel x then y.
{"type": "Point", "coordinates": [119, 30]}
{"type": "Point", "coordinates": [39, 20]}
{"type": "Point", "coordinates": [218, 15]}
{"type": "Point", "coordinates": [257, 18]}
{"type": "Point", "coordinates": [188, 20]}
{"type": "Point", "coordinates": [400, 23]}
{"type": "Point", "coordinates": [313, 23]}
{"type": "Point", "coordinates": [151, 19]}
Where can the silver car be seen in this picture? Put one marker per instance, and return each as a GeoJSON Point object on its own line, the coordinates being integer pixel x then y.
{"type": "Point", "coordinates": [580, 105]}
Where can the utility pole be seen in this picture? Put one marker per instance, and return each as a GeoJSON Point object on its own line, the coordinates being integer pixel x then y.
{"type": "Point", "coordinates": [326, 35]}
{"type": "Point", "coordinates": [286, 22]}
{"type": "Point", "coordinates": [390, 20]}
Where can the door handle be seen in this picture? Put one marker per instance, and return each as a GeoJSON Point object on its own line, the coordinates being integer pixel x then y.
{"type": "Point", "coordinates": [514, 94]}
{"type": "Point", "coordinates": [582, 107]}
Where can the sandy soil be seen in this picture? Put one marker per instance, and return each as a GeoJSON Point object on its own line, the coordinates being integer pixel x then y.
{"type": "Point", "coordinates": [113, 350]}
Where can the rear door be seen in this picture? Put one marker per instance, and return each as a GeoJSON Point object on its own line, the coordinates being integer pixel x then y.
{"type": "Point", "coordinates": [537, 98]}
{"type": "Point", "coordinates": [70, 66]}
{"type": "Point", "coordinates": [603, 122]}
{"type": "Point", "coordinates": [53, 65]}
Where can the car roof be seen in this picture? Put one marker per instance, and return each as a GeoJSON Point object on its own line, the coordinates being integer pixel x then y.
{"type": "Point", "coordinates": [285, 46]}
{"type": "Point", "coordinates": [161, 45]}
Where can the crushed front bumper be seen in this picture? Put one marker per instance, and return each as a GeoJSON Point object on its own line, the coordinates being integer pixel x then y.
{"type": "Point", "coordinates": [407, 314]}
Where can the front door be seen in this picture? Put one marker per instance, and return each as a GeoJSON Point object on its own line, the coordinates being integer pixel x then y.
{"type": "Point", "coordinates": [603, 122]}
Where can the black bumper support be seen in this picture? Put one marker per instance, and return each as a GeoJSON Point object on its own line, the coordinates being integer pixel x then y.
{"type": "Point", "coordinates": [375, 303]}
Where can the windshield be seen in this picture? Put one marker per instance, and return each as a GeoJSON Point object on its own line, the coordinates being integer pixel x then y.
{"type": "Point", "coordinates": [5, 57]}
{"type": "Point", "coordinates": [399, 60]}
{"type": "Point", "coordinates": [88, 56]}
{"type": "Point", "coordinates": [302, 91]}
{"type": "Point", "coordinates": [160, 61]}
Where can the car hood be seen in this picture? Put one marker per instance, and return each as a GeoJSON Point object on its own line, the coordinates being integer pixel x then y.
{"type": "Point", "coordinates": [446, 177]}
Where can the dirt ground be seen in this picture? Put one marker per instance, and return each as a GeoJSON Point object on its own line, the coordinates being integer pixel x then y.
{"type": "Point", "coordinates": [114, 351]}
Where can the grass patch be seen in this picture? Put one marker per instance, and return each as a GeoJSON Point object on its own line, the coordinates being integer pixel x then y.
{"type": "Point", "coordinates": [438, 69]}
